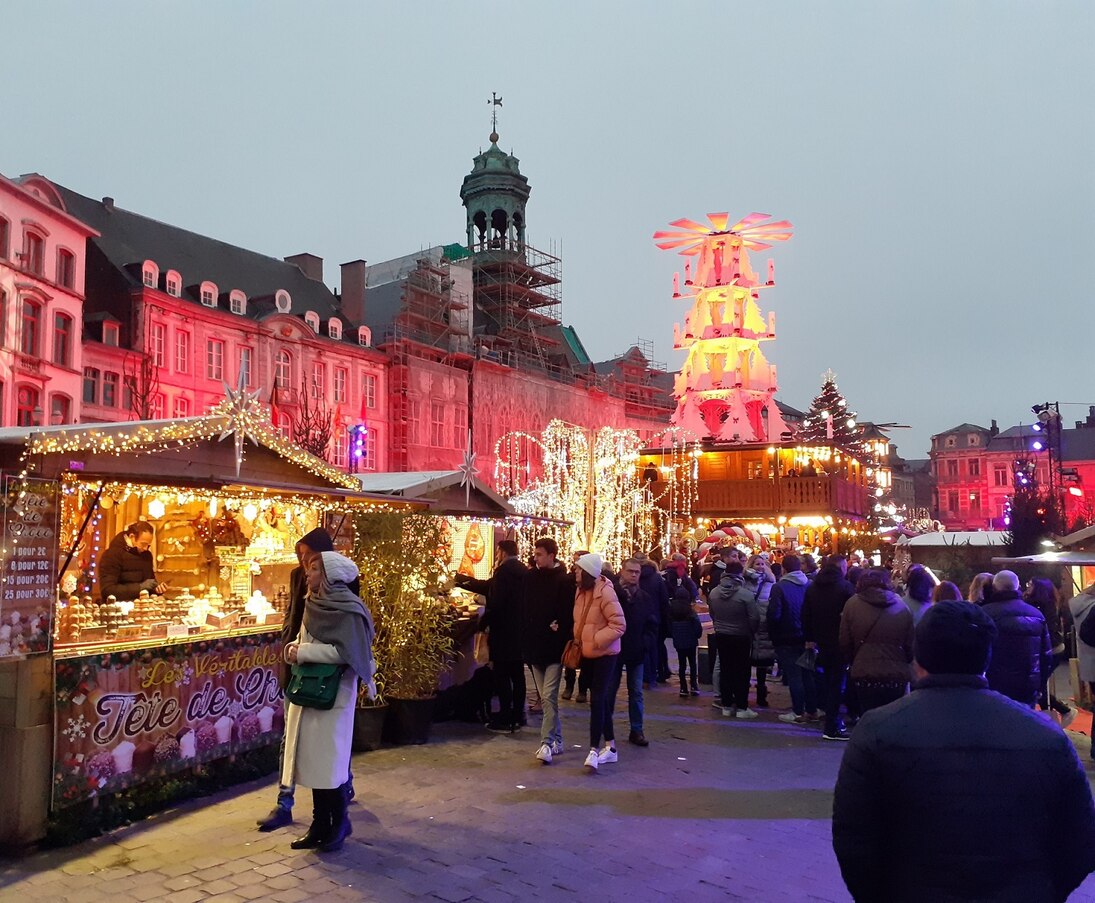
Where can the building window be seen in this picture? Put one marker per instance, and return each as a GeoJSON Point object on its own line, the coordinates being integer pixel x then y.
{"type": "Point", "coordinates": [975, 501]}
{"type": "Point", "coordinates": [62, 340]}
{"type": "Point", "coordinates": [368, 390]}
{"type": "Point", "coordinates": [999, 475]}
{"type": "Point", "coordinates": [283, 369]}
{"type": "Point", "coordinates": [3, 319]}
{"type": "Point", "coordinates": [952, 501]}
{"type": "Point", "coordinates": [334, 328]}
{"type": "Point", "coordinates": [973, 465]}
{"type": "Point", "coordinates": [339, 448]}
{"type": "Point", "coordinates": [237, 302]}
{"type": "Point", "coordinates": [437, 424]}
{"type": "Point", "coordinates": [180, 407]}
{"type": "Point", "coordinates": [110, 390]}
{"type": "Point", "coordinates": [66, 269]}
{"type": "Point", "coordinates": [30, 327]}
{"type": "Point", "coordinates": [27, 410]}
{"type": "Point", "coordinates": [34, 256]}
{"type": "Point", "coordinates": [245, 366]}
{"type": "Point", "coordinates": [60, 409]}
{"type": "Point", "coordinates": [460, 427]}
{"type": "Point", "coordinates": [110, 334]}
{"type": "Point", "coordinates": [312, 319]}
{"type": "Point", "coordinates": [128, 387]}
{"type": "Point", "coordinates": [182, 351]}
{"type": "Point", "coordinates": [173, 283]}
{"type": "Point", "coordinates": [319, 377]}
{"type": "Point", "coordinates": [340, 385]}
{"type": "Point", "coordinates": [156, 407]}
{"type": "Point", "coordinates": [285, 424]}
{"type": "Point", "coordinates": [150, 274]}
{"type": "Point", "coordinates": [973, 439]}
{"type": "Point", "coordinates": [414, 421]}
{"type": "Point", "coordinates": [156, 341]}
{"type": "Point", "coordinates": [950, 442]}
{"type": "Point", "coordinates": [364, 336]}
{"type": "Point", "coordinates": [368, 460]}
{"type": "Point", "coordinates": [952, 468]}
{"type": "Point", "coordinates": [282, 301]}
{"type": "Point", "coordinates": [214, 359]}
{"type": "Point", "coordinates": [208, 294]}
{"type": "Point", "coordinates": [5, 238]}
{"type": "Point", "coordinates": [91, 385]}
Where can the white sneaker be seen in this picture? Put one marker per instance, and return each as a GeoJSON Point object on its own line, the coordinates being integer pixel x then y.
{"type": "Point", "coordinates": [727, 711]}
{"type": "Point", "coordinates": [1068, 718]}
{"type": "Point", "coordinates": [607, 755]}
{"type": "Point", "coordinates": [746, 713]}
{"type": "Point", "coordinates": [557, 748]}
{"type": "Point", "coordinates": [544, 754]}
{"type": "Point", "coordinates": [592, 760]}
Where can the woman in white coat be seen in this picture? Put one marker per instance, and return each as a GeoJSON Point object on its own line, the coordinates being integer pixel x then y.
{"type": "Point", "coordinates": [336, 629]}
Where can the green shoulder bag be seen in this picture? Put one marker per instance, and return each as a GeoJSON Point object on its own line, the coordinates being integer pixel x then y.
{"type": "Point", "coordinates": [313, 685]}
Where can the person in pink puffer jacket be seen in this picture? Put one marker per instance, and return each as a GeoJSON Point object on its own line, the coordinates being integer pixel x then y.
{"type": "Point", "coordinates": [598, 625]}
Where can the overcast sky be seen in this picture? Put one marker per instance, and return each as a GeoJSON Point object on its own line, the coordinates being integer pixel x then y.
{"type": "Point", "coordinates": [936, 160]}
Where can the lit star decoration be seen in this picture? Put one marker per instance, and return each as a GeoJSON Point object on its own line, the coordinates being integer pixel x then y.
{"type": "Point", "coordinates": [243, 410]}
{"type": "Point", "coordinates": [467, 470]}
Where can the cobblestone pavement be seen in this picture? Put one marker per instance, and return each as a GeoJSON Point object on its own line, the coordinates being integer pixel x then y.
{"type": "Point", "coordinates": [712, 809]}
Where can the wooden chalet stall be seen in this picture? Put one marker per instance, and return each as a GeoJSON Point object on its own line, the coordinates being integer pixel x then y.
{"type": "Point", "coordinates": [97, 694]}
{"type": "Point", "coordinates": [803, 496]}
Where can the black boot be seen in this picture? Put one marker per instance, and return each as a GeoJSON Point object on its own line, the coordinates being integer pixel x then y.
{"type": "Point", "coordinates": [320, 829]}
{"type": "Point", "coordinates": [340, 823]}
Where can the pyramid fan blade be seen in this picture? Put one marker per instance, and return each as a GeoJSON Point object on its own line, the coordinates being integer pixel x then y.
{"type": "Point", "coordinates": [753, 245]}
{"type": "Point", "coordinates": [664, 234]}
{"type": "Point", "coordinates": [781, 226]}
{"type": "Point", "coordinates": [719, 220]}
{"type": "Point", "coordinates": [670, 244]}
{"type": "Point", "coordinates": [749, 221]}
{"type": "Point", "coordinates": [690, 224]}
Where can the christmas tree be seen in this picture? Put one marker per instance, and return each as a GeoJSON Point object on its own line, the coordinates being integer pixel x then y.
{"type": "Point", "coordinates": [726, 388]}
{"type": "Point", "coordinates": [831, 422]}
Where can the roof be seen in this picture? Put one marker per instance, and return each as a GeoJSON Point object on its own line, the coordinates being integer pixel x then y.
{"type": "Point", "coordinates": [1068, 559]}
{"type": "Point", "coordinates": [128, 239]}
{"type": "Point", "coordinates": [963, 428]}
{"type": "Point", "coordinates": [433, 483]}
{"type": "Point", "coordinates": [957, 538]}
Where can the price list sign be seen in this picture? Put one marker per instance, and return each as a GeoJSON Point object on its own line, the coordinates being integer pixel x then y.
{"type": "Point", "coordinates": [28, 564]}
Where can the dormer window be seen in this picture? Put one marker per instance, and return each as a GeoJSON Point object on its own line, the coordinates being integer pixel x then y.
{"type": "Point", "coordinates": [173, 283]}
{"type": "Point", "coordinates": [364, 336]}
{"type": "Point", "coordinates": [208, 294]}
{"type": "Point", "coordinates": [312, 319]}
{"type": "Point", "coordinates": [110, 334]}
{"type": "Point", "coordinates": [150, 274]}
{"type": "Point", "coordinates": [282, 301]}
{"type": "Point", "coordinates": [950, 442]}
{"type": "Point", "coordinates": [334, 328]}
{"type": "Point", "coordinates": [973, 439]}
{"type": "Point", "coordinates": [237, 302]}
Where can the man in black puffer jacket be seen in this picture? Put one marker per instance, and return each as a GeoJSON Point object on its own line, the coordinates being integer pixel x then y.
{"type": "Point", "coordinates": [956, 793]}
{"type": "Point", "coordinates": [1022, 657]}
{"type": "Point", "coordinates": [821, 610]}
{"type": "Point", "coordinates": [502, 618]}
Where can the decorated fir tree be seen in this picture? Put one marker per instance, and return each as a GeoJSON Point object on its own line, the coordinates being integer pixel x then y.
{"type": "Point", "coordinates": [831, 422]}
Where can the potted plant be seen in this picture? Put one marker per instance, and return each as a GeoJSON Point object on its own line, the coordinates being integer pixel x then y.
{"type": "Point", "coordinates": [404, 568]}
{"type": "Point", "coordinates": [370, 715]}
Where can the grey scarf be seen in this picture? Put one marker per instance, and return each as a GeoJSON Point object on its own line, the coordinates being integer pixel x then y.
{"type": "Point", "coordinates": [336, 616]}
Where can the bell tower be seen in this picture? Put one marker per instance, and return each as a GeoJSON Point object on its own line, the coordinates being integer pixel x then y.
{"type": "Point", "coordinates": [494, 194]}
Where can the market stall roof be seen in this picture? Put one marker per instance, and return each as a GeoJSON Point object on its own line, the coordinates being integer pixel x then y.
{"type": "Point", "coordinates": [956, 538]}
{"type": "Point", "coordinates": [1066, 559]}
{"type": "Point", "coordinates": [184, 452]}
{"type": "Point", "coordinates": [1080, 537]}
{"type": "Point", "coordinates": [444, 489]}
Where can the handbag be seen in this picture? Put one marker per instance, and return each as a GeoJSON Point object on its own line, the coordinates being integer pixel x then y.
{"type": "Point", "coordinates": [313, 685]}
{"type": "Point", "coordinates": [808, 660]}
{"type": "Point", "coordinates": [572, 651]}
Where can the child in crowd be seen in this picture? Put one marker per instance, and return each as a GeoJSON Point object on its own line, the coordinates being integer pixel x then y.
{"type": "Point", "coordinates": [686, 632]}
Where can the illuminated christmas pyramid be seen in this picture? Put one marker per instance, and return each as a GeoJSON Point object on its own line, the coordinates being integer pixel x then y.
{"type": "Point", "coordinates": [726, 388]}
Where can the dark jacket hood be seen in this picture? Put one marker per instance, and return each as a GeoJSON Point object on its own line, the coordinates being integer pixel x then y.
{"type": "Point", "coordinates": [829, 575]}
{"type": "Point", "coordinates": [879, 597]}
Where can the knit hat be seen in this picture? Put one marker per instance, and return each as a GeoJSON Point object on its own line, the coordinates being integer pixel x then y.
{"type": "Point", "coordinates": [955, 638]}
{"type": "Point", "coordinates": [318, 540]}
{"type": "Point", "coordinates": [338, 568]}
{"type": "Point", "coordinates": [591, 563]}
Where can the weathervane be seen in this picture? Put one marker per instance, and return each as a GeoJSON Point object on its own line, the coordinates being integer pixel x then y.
{"type": "Point", "coordinates": [495, 102]}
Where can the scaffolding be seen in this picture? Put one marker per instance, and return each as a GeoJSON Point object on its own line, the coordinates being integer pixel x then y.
{"type": "Point", "coordinates": [517, 301]}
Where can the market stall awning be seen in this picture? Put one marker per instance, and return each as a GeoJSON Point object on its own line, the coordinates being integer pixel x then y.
{"type": "Point", "coordinates": [1065, 559]}
{"type": "Point", "coordinates": [956, 538]}
{"type": "Point", "coordinates": [445, 490]}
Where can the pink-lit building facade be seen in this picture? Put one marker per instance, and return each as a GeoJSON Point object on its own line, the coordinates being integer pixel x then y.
{"type": "Point", "coordinates": [146, 320]}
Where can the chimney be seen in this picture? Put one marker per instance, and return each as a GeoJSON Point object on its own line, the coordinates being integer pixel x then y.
{"type": "Point", "coordinates": [310, 265]}
{"type": "Point", "coordinates": [109, 204]}
{"type": "Point", "coordinates": [353, 291]}
{"type": "Point", "coordinates": [994, 429]}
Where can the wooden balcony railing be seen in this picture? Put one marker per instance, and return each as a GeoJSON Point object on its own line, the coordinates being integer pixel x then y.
{"type": "Point", "coordinates": [787, 495]}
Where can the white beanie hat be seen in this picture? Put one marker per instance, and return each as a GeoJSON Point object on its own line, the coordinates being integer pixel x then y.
{"type": "Point", "coordinates": [338, 568]}
{"type": "Point", "coordinates": [591, 563]}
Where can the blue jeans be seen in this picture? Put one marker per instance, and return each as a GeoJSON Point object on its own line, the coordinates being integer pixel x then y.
{"type": "Point", "coordinates": [800, 681]}
{"type": "Point", "coordinates": [634, 692]}
{"type": "Point", "coordinates": [546, 679]}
